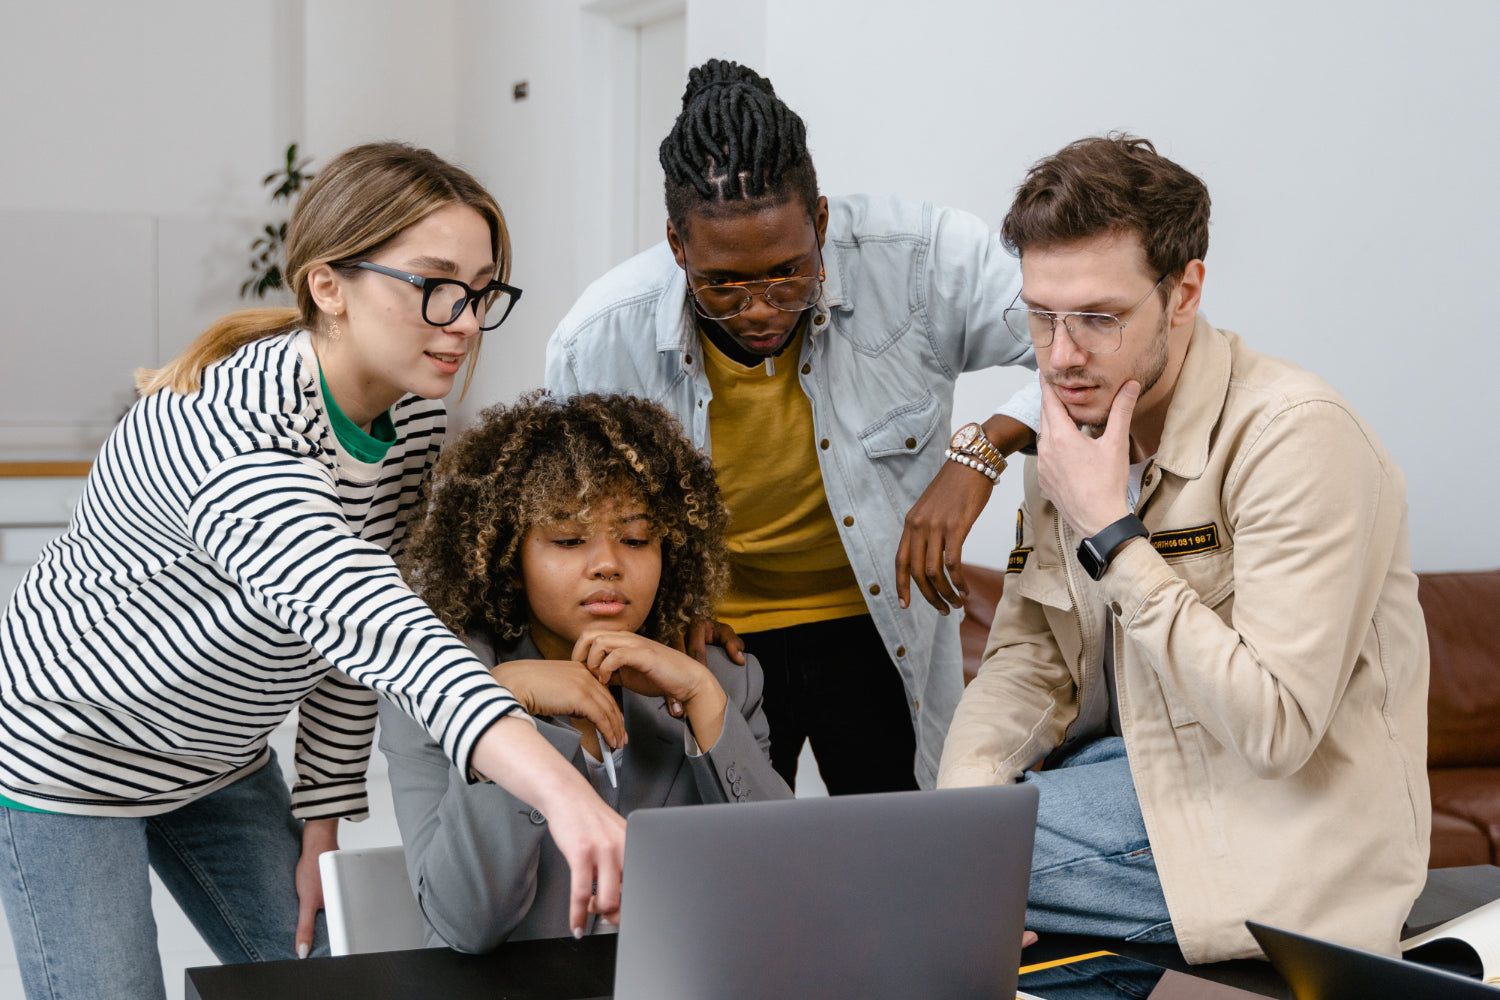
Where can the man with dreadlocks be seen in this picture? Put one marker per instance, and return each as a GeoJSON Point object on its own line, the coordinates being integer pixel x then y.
{"type": "Point", "coordinates": [811, 346]}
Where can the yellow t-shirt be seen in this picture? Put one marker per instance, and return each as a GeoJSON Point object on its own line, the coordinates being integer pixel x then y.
{"type": "Point", "coordinates": [787, 564]}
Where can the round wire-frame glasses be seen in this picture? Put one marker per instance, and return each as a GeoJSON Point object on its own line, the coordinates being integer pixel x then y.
{"type": "Point", "coordinates": [1095, 332]}
{"type": "Point", "coordinates": [790, 294]}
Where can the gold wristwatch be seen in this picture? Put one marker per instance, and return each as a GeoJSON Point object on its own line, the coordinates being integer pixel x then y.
{"type": "Point", "coordinates": [970, 447]}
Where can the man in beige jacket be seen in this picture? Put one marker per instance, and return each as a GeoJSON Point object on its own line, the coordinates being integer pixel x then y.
{"type": "Point", "coordinates": [1210, 631]}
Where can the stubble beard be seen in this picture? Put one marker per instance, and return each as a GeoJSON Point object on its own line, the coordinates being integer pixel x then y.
{"type": "Point", "coordinates": [1152, 367]}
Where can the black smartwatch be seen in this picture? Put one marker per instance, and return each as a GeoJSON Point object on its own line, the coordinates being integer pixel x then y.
{"type": "Point", "coordinates": [1094, 552]}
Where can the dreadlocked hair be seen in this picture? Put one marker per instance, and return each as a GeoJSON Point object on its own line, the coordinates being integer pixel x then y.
{"type": "Point", "coordinates": [541, 461]}
{"type": "Point", "coordinates": [735, 145]}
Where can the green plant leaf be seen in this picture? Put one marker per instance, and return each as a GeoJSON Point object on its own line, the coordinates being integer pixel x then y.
{"type": "Point", "coordinates": [265, 267]}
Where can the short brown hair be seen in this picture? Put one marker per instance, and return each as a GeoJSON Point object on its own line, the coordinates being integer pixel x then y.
{"type": "Point", "coordinates": [541, 459]}
{"type": "Point", "coordinates": [1112, 184]}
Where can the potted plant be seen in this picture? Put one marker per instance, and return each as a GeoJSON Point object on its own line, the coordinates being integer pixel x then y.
{"type": "Point", "coordinates": [265, 252]}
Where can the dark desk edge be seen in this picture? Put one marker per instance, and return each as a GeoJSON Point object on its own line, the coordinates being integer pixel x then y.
{"type": "Point", "coordinates": [564, 969]}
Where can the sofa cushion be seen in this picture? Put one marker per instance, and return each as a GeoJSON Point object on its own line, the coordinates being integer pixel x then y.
{"type": "Point", "coordinates": [1457, 842]}
{"type": "Point", "coordinates": [984, 588]}
{"type": "Point", "coordinates": [1463, 702]}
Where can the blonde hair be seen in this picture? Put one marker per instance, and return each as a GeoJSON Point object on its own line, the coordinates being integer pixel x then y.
{"type": "Point", "coordinates": [364, 198]}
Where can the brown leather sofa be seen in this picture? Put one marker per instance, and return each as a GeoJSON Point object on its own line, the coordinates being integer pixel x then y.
{"type": "Point", "coordinates": [1463, 706]}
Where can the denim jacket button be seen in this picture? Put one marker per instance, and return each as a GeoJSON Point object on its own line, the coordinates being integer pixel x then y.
{"type": "Point", "coordinates": [848, 521]}
{"type": "Point", "coordinates": [819, 319]}
{"type": "Point", "coordinates": [806, 369]}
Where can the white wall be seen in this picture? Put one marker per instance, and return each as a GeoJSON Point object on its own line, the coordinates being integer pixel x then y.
{"type": "Point", "coordinates": [562, 162]}
{"type": "Point", "coordinates": [527, 153]}
{"type": "Point", "coordinates": [132, 142]}
{"type": "Point", "coordinates": [380, 69]}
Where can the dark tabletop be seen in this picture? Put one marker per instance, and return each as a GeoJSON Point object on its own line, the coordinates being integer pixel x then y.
{"type": "Point", "coordinates": [564, 969]}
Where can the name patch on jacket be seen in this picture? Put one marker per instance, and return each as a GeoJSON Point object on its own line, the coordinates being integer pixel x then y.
{"type": "Point", "coordinates": [1017, 560]}
{"type": "Point", "coordinates": [1186, 541]}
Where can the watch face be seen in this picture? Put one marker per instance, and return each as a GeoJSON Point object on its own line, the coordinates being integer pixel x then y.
{"type": "Point", "coordinates": [964, 436]}
{"type": "Point", "coordinates": [1093, 564]}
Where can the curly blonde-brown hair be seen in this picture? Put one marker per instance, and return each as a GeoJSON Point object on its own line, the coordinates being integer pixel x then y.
{"type": "Point", "coordinates": [541, 460]}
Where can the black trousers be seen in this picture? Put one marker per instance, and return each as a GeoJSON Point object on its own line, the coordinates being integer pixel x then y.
{"type": "Point", "coordinates": [834, 684]}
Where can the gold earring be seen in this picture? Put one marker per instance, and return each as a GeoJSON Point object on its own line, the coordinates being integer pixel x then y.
{"type": "Point", "coordinates": [333, 331]}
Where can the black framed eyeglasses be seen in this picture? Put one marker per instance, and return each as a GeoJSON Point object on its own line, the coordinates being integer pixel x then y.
{"type": "Point", "coordinates": [1097, 333]}
{"type": "Point", "coordinates": [791, 294]}
{"type": "Point", "coordinates": [444, 299]}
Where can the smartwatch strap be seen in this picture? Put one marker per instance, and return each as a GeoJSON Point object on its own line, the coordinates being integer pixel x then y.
{"type": "Point", "coordinates": [1094, 553]}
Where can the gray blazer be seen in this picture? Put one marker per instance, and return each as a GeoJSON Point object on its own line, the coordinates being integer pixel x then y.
{"type": "Point", "coordinates": [481, 863]}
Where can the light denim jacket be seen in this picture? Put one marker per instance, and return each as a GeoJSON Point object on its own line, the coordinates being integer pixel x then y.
{"type": "Point", "coordinates": [914, 296]}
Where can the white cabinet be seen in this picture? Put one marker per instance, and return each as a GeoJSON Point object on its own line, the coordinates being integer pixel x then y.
{"type": "Point", "coordinates": [34, 509]}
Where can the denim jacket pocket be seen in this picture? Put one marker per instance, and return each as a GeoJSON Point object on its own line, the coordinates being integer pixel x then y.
{"type": "Point", "coordinates": [904, 430]}
{"type": "Point", "coordinates": [881, 274]}
{"type": "Point", "coordinates": [895, 444]}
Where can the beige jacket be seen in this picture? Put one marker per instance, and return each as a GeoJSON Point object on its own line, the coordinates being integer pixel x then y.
{"type": "Point", "coordinates": [1271, 661]}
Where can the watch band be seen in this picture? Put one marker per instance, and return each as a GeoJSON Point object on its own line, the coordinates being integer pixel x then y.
{"type": "Point", "coordinates": [970, 447]}
{"type": "Point", "coordinates": [1094, 553]}
{"type": "Point", "coordinates": [970, 440]}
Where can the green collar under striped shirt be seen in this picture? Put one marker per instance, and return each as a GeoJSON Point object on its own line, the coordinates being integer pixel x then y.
{"type": "Point", "coordinates": [369, 448]}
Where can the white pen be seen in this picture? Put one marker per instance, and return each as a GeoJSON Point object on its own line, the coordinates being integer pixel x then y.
{"type": "Point", "coordinates": [608, 757]}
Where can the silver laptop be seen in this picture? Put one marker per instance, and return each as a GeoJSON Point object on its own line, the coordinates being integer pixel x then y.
{"type": "Point", "coordinates": [904, 894]}
{"type": "Point", "coordinates": [1321, 970]}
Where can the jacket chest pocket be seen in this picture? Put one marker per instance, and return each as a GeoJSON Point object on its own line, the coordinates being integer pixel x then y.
{"type": "Point", "coordinates": [1210, 574]}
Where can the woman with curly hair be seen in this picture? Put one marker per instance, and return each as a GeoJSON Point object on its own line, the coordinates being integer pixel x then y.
{"type": "Point", "coordinates": [571, 545]}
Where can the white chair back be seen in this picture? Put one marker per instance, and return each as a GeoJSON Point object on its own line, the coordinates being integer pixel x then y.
{"type": "Point", "coordinates": [368, 901]}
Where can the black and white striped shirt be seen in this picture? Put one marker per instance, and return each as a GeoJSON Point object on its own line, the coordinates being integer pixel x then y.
{"type": "Point", "coordinates": [226, 563]}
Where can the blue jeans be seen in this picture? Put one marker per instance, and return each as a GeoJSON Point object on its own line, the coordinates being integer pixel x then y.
{"type": "Point", "coordinates": [1092, 870]}
{"type": "Point", "coordinates": [78, 897]}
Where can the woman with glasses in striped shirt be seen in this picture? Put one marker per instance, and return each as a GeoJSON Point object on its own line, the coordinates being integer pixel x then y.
{"type": "Point", "coordinates": [232, 558]}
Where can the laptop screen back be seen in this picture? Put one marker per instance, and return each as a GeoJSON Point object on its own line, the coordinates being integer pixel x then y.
{"type": "Point", "coordinates": [1322, 970]}
{"type": "Point", "coordinates": [902, 894]}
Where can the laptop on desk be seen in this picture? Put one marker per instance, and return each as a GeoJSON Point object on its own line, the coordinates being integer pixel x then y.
{"type": "Point", "coordinates": [903, 894]}
{"type": "Point", "coordinates": [1322, 970]}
